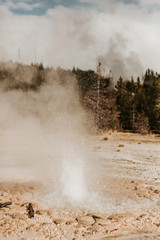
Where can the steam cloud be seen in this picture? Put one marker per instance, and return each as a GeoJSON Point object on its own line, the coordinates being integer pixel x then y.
{"type": "Point", "coordinates": [43, 134]}
{"type": "Point", "coordinates": [115, 60]}
{"type": "Point", "coordinates": [43, 131]}
{"type": "Point", "coordinates": [125, 36]}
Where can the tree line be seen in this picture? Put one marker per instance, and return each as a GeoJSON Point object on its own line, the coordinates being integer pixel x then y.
{"type": "Point", "coordinates": [127, 105]}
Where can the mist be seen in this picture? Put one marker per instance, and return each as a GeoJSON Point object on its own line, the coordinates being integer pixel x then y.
{"type": "Point", "coordinates": [125, 36]}
{"type": "Point", "coordinates": [44, 134]}
{"type": "Point", "coordinates": [44, 129]}
{"type": "Point", "coordinates": [79, 154]}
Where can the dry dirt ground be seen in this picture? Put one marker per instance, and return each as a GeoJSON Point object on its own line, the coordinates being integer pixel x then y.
{"type": "Point", "coordinates": [128, 166]}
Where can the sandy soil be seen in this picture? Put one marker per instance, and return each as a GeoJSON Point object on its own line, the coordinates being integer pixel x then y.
{"type": "Point", "coordinates": [128, 172]}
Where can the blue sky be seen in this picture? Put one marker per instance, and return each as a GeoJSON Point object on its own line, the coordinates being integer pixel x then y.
{"type": "Point", "coordinates": [123, 34]}
{"type": "Point", "coordinates": [49, 4]}
{"type": "Point", "coordinates": [40, 7]}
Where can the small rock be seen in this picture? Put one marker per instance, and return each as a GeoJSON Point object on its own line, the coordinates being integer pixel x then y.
{"type": "Point", "coordinates": [141, 216]}
{"type": "Point", "coordinates": [107, 238]}
{"type": "Point", "coordinates": [50, 212]}
{"type": "Point", "coordinates": [105, 139]}
{"type": "Point", "coordinates": [117, 216]}
{"type": "Point", "coordinates": [156, 191]}
{"type": "Point", "coordinates": [59, 221]}
{"type": "Point", "coordinates": [44, 223]}
{"type": "Point", "coordinates": [71, 222]}
{"type": "Point", "coordinates": [38, 212]}
{"type": "Point", "coordinates": [120, 145]}
{"type": "Point", "coordinates": [95, 228]}
{"type": "Point", "coordinates": [29, 227]}
{"type": "Point", "coordinates": [85, 220]}
{"type": "Point", "coordinates": [97, 215]}
{"type": "Point", "coordinates": [113, 230]}
{"type": "Point", "coordinates": [23, 204]}
{"type": "Point", "coordinates": [101, 222]}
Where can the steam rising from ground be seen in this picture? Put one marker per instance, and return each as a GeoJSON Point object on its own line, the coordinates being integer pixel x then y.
{"type": "Point", "coordinates": [42, 133]}
{"type": "Point", "coordinates": [42, 136]}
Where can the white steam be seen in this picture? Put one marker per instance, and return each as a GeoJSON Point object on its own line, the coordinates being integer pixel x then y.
{"type": "Point", "coordinates": [42, 136]}
{"type": "Point", "coordinates": [124, 33]}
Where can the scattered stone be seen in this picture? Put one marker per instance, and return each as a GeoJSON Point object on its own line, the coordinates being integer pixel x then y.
{"type": "Point", "coordinates": [97, 215]}
{"type": "Point", "coordinates": [118, 150]}
{"type": "Point", "coordinates": [116, 217]}
{"type": "Point", "coordinates": [113, 230]}
{"type": "Point", "coordinates": [107, 238]}
{"type": "Point", "coordinates": [85, 220]}
{"type": "Point", "coordinates": [45, 223]}
{"type": "Point", "coordinates": [13, 216]}
{"type": "Point", "coordinates": [50, 212]}
{"type": "Point", "coordinates": [121, 145]}
{"type": "Point", "coordinates": [135, 188]}
{"type": "Point", "coordinates": [23, 204]}
{"type": "Point", "coordinates": [105, 139]}
{"type": "Point", "coordinates": [95, 227]}
{"type": "Point", "coordinates": [38, 212]}
{"type": "Point", "coordinates": [59, 221]}
{"type": "Point", "coordinates": [70, 222]}
{"type": "Point", "coordinates": [141, 216]}
{"type": "Point", "coordinates": [29, 227]}
{"type": "Point", "coordinates": [112, 217]}
{"type": "Point", "coordinates": [156, 191]}
{"type": "Point", "coordinates": [76, 231]}
{"type": "Point", "coordinates": [101, 222]}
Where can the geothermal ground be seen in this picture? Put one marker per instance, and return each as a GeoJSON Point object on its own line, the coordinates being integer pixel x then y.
{"type": "Point", "coordinates": [124, 204]}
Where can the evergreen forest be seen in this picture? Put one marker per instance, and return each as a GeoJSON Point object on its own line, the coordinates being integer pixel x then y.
{"type": "Point", "coordinates": [122, 104]}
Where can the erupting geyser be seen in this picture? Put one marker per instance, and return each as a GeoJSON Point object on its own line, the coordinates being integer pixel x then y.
{"type": "Point", "coordinates": [73, 180]}
{"type": "Point", "coordinates": [43, 131]}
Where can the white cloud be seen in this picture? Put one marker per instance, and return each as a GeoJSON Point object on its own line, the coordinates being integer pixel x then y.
{"type": "Point", "coordinates": [112, 5]}
{"type": "Point", "coordinates": [125, 37]}
{"type": "Point", "coordinates": [149, 2]}
{"type": "Point", "coordinates": [25, 5]}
